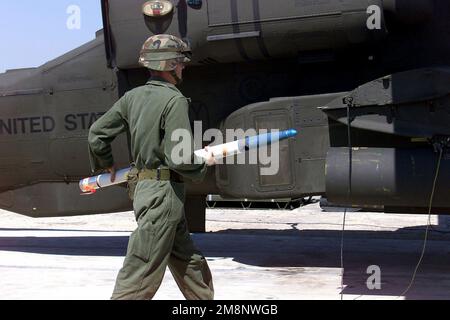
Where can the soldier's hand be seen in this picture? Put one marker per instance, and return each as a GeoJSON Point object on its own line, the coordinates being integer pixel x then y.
{"type": "Point", "coordinates": [112, 170]}
{"type": "Point", "coordinates": [210, 159]}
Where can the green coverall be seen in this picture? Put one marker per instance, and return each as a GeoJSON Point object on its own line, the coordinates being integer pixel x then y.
{"type": "Point", "coordinates": [151, 113]}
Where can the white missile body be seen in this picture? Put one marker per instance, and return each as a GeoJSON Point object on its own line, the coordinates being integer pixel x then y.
{"type": "Point", "coordinates": [92, 184]}
{"type": "Point", "coordinates": [221, 151]}
{"type": "Point", "coordinates": [242, 145]}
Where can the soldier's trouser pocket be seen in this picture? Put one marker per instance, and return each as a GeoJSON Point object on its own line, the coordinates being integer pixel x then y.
{"type": "Point", "coordinates": [141, 243]}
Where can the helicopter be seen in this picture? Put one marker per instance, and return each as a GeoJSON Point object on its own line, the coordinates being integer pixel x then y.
{"type": "Point", "coordinates": [365, 82]}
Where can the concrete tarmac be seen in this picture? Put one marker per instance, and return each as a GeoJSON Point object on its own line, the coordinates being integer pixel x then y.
{"type": "Point", "coordinates": [253, 254]}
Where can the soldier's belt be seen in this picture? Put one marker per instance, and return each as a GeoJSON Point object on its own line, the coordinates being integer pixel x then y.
{"type": "Point", "coordinates": [160, 174]}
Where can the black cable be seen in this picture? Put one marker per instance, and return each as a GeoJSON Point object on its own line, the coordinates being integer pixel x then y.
{"type": "Point", "coordinates": [342, 254]}
{"type": "Point", "coordinates": [430, 206]}
{"type": "Point", "coordinates": [349, 193]}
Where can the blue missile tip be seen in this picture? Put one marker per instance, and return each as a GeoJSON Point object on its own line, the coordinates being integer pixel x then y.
{"type": "Point", "coordinates": [292, 132]}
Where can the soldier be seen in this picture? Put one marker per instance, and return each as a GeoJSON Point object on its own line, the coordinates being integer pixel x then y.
{"type": "Point", "coordinates": [151, 113]}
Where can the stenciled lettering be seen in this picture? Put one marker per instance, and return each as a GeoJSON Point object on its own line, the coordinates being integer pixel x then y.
{"type": "Point", "coordinates": [81, 121]}
{"type": "Point", "coordinates": [5, 126]}
{"type": "Point", "coordinates": [70, 122]}
{"type": "Point", "coordinates": [27, 125]}
{"type": "Point", "coordinates": [46, 124]}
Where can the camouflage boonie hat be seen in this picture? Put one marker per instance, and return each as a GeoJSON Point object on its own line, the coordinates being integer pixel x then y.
{"type": "Point", "coordinates": [163, 52]}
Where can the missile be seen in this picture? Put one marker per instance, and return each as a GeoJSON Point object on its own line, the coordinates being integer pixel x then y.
{"type": "Point", "coordinates": [236, 147]}
{"type": "Point", "coordinates": [92, 184]}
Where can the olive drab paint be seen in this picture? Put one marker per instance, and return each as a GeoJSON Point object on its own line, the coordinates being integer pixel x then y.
{"type": "Point", "coordinates": [254, 65]}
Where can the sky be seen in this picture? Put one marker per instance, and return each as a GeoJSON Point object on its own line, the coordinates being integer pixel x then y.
{"type": "Point", "coordinates": [33, 32]}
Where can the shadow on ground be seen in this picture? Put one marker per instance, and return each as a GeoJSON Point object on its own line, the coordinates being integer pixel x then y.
{"type": "Point", "coordinates": [396, 253]}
